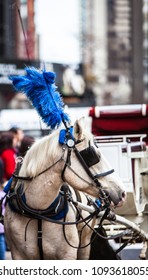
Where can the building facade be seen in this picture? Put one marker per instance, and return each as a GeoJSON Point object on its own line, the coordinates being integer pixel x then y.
{"type": "Point", "coordinates": [114, 49]}
{"type": "Point", "coordinates": [18, 43]}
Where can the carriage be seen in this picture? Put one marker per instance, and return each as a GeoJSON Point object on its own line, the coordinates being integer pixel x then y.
{"type": "Point", "coordinates": [122, 135]}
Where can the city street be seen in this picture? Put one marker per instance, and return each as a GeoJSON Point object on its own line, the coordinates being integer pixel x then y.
{"type": "Point", "coordinates": [74, 129]}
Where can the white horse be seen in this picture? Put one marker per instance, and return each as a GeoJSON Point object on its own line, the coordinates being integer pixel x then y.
{"type": "Point", "coordinates": [41, 176]}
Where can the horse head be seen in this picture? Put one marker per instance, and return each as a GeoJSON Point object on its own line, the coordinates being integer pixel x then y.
{"type": "Point", "coordinates": [87, 169]}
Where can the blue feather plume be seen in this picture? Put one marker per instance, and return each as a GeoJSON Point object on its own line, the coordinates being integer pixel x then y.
{"type": "Point", "coordinates": [40, 89]}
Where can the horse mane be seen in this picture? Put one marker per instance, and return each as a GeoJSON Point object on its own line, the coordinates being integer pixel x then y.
{"type": "Point", "coordinates": [43, 150]}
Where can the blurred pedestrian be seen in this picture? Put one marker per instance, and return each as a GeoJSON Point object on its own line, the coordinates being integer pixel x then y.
{"type": "Point", "coordinates": [8, 154]}
{"type": "Point", "coordinates": [1, 171]}
{"type": "Point", "coordinates": [26, 143]}
{"type": "Point", "coordinates": [18, 135]}
{"type": "Point", "coordinates": [2, 209]}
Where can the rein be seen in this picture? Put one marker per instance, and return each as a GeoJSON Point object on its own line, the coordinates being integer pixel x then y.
{"type": "Point", "coordinates": [25, 178]}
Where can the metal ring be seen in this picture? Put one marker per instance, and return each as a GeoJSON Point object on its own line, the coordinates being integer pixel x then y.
{"type": "Point", "coordinates": [19, 159]}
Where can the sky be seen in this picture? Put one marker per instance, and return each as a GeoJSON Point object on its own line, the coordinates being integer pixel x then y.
{"type": "Point", "coordinates": [57, 23]}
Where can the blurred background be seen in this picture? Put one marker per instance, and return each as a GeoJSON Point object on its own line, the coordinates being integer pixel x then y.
{"type": "Point", "coordinates": [98, 49]}
{"type": "Point", "coordinates": [99, 52]}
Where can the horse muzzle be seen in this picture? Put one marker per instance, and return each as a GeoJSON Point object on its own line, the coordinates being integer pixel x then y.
{"type": "Point", "coordinates": [117, 200]}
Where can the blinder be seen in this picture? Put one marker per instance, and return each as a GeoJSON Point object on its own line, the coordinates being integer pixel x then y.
{"type": "Point", "coordinates": [90, 156]}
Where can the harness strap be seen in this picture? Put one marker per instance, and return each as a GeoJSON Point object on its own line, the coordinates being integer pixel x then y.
{"type": "Point", "coordinates": [56, 210]}
{"type": "Point", "coordinates": [104, 173]}
{"type": "Point", "coordinates": [107, 211]}
{"type": "Point", "coordinates": [84, 164]}
{"type": "Point", "coordinates": [40, 245]}
{"type": "Point", "coordinates": [22, 178]}
{"type": "Point", "coordinates": [1, 215]}
{"type": "Point", "coordinates": [66, 163]}
{"type": "Point", "coordinates": [25, 178]}
{"type": "Point", "coordinates": [78, 198]}
{"type": "Point", "coordinates": [122, 246]}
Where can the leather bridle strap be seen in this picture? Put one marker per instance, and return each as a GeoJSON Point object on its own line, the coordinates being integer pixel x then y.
{"type": "Point", "coordinates": [77, 153]}
{"type": "Point", "coordinates": [66, 163]}
{"type": "Point", "coordinates": [93, 177]}
{"type": "Point", "coordinates": [25, 178]}
{"type": "Point", "coordinates": [40, 245]}
{"type": "Point", "coordinates": [105, 198]}
{"type": "Point", "coordinates": [104, 173]}
{"type": "Point", "coordinates": [80, 158]}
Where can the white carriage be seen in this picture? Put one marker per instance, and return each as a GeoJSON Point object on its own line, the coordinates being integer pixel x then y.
{"type": "Point", "coordinates": [122, 135]}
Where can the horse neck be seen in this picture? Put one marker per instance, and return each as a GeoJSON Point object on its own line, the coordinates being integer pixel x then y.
{"type": "Point", "coordinates": [42, 190]}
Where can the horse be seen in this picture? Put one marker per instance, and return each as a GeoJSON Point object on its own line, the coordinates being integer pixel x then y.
{"type": "Point", "coordinates": [35, 227]}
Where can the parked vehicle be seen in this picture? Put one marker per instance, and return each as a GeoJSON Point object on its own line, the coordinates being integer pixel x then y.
{"type": "Point", "coordinates": [122, 134]}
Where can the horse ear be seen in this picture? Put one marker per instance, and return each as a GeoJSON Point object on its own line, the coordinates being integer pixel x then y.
{"type": "Point", "coordinates": [79, 126]}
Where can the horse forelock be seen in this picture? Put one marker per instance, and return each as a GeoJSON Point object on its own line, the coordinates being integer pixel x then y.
{"type": "Point", "coordinates": [42, 152]}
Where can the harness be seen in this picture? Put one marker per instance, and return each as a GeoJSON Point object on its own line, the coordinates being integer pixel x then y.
{"type": "Point", "coordinates": [59, 208]}
{"type": "Point", "coordinates": [55, 213]}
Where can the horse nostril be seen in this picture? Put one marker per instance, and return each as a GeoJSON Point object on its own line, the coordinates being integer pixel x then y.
{"type": "Point", "coordinates": [123, 195]}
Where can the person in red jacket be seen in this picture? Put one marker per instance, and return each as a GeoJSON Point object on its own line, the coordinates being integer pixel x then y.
{"type": "Point", "coordinates": [7, 154]}
{"type": "Point", "coordinates": [18, 134]}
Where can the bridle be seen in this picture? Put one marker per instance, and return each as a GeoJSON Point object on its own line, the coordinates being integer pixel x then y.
{"type": "Point", "coordinates": [87, 157]}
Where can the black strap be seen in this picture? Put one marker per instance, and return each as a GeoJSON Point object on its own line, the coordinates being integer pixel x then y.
{"type": "Point", "coordinates": [78, 198]}
{"type": "Point", "coordinates": [83, 163]}
{"type": "Point", "coordinates": [66, 163]}
{"type": "Point", "coordinates": [31, 212]}
{"type": "Point", "coordinates": [1, 215]}
{"type": "Point", "coordinates": [104, 216]}
{"type": "Point", "coordinates": [104, 173]}
{"type": "Point", "coordinates": [24, 178]}
{"type": "Point", "coordinates": [40, 245]}
{"type": "Point", "coordinates": [122, 246]}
